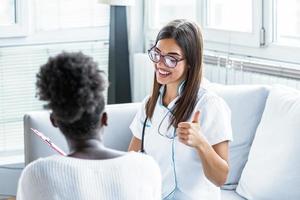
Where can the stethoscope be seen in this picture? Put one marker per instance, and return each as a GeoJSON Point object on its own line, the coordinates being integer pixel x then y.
{"type": "Point", "coordinates": [143, 136]}
{"type": "Point", "coordinates": [142, 149]}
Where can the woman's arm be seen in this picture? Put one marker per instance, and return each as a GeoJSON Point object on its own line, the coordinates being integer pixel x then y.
{"type": "Point", "coordinates": [214, 161]}
{"type": "Point", "coordinates": [135, 144]}
{"type": "Point", "coordinates": [214, 158]}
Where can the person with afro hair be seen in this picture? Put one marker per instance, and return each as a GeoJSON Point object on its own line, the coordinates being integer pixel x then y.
{"type": "Point", "coordinates": [73, 86]}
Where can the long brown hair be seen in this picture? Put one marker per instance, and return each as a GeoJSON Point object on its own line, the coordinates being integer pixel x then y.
{"type": "Point", "coordinates": [189, 38]}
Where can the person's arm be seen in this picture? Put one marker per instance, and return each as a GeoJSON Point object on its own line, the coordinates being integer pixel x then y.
{"type": "Point", "coordinates": [214, 158]}
{"type": "Point", "coordinates": [135, 144]}
{"type": "Point", "coordinates": [214, 161]}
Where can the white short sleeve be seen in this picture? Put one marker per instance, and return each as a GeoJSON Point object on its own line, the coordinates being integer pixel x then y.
{"type": "Point", "coordinates": [136, 125]}
{"type": "Point", "coordinates": [215, 120]}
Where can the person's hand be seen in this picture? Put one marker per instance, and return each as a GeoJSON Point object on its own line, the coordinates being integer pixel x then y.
{"type": "Point", "coordinates": [190, 133]}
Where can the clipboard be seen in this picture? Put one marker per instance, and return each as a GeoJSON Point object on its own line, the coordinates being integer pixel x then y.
{"type": "Point", "coordinates": [48, 142]}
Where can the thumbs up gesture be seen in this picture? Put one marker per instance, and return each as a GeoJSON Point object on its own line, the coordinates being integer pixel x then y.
{"type": "Point", "coordinates": [190, 133]}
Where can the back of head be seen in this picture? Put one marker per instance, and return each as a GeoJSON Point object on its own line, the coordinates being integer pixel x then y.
{"type": "Point", "coordinates": [73, 86]}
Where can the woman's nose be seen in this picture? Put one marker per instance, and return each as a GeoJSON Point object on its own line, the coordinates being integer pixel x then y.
{"type": "Point", "coordinates": [161, 62]}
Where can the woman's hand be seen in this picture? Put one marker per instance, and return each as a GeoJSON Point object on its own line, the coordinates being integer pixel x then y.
{"type": "Point", "coordinates": [214, 158]}
{"type": "Point", "coordinates": [190, 133]}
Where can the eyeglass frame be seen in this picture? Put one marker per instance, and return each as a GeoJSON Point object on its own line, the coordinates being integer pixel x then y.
{"type": "Point", "coordinates": [162, 57]}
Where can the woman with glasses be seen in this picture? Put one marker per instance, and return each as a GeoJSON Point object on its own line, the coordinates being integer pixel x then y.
{"type": "Point", "coordinates": [183, 126]}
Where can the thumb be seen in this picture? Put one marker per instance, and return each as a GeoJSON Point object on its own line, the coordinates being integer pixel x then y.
{"type": "Point", "coordinates": [196, 117]}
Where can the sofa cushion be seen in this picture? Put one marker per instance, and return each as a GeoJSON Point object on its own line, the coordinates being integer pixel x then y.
{"type": "Point", "coordinates": [117, 134]}
{"type": "Point", "coordinates": [247, 103]}
{"type": "Point", "coordinates": [272, 170]}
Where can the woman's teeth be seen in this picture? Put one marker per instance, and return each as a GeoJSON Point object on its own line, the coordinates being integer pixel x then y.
{"type": "Point", "coordinates": [163, 72]}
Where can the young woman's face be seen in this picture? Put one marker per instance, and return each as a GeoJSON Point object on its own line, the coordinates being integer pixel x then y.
{"type": "Point", "coordinates": [165, 74]}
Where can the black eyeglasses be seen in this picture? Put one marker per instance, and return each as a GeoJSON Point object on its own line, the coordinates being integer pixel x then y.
{"type": "Point", "coordinates": [168, 60]}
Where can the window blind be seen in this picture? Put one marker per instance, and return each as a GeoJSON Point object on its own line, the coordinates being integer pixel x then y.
{"type": "Point", "coordinates": [18, 68]}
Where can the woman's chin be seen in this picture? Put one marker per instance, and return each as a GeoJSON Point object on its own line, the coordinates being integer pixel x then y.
{"type": "Point", "coordinates": [162, 79]}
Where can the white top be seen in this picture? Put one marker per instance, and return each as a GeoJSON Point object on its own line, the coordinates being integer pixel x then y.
{"type": "Point", "coordinates": [132, 176]}
{"type": "Point", "coordinates": [181, 168]}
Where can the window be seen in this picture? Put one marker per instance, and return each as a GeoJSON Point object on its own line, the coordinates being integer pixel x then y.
{"type": "Point", "coordinates": [66, 14]}
{"type": "Point", "coordinates": [159, 13]}
{"type": "Point", "coordinates": [265, 34]}
{"type": "Point", "coordinates": [56, 25]}
{"type": "Point", "coordinates": [18, 68]}
{"type": "Point", "coordinates": [7, 13]}
{"type": "Point", "coordinates": [232, 21]}
{"type": "Point", "coordinates": [255, 28]}
{"type": "Point", "coordinates": [288, 22]}
{"type": "Point", "coordinates": [13, 18]}
{"type": "Point", "coordinates": [233, 15]}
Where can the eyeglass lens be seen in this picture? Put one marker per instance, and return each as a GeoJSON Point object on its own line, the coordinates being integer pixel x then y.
{"type": "Point", "coordinates": [169, 61]}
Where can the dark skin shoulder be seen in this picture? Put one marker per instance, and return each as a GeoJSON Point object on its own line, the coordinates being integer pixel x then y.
{"type": "Point", "coordinates": [92, 149]}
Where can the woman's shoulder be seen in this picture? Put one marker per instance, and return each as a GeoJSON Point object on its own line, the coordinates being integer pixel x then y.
{"type": "Point", "coordinates": [206, 95]}
{"type": "Point", "coordinates": [37, 168]}
{"type": "Point", "coordinates": [209, 100]}
{"type": "Point", "coordinates": [145, 163]}
{"type": "Point", "coordinates": [41, 163]}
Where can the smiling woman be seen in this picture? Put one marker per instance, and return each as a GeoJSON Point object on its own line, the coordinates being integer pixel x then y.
{"type": "Point", "coordinates": [181, 124]}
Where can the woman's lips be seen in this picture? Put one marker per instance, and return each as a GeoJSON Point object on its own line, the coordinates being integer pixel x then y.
{"type": "Point", "coordinates": [163, 73]}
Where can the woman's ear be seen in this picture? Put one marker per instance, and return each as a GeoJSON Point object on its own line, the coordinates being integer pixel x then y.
{"type": "Point", "coordinates": [104, 119]}
{"type": "Point", "coordinates": [53, 121]}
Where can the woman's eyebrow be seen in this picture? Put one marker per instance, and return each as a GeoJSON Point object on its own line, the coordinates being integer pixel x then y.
{"type": "Point", "coordinates": [169, 53]}
{"type": "Point", "coordinates": [173, 53]}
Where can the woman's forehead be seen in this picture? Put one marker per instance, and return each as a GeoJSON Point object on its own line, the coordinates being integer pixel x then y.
{"type": "Point", "coordinates": [168, 45]}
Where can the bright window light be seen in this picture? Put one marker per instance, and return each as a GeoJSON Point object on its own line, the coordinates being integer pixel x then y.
{"type": "Point", "coordinates": [288, 20]}
{"type": "Point", "coordinates": [161, 12]}
{"type": "Point", "coordinates": [7, 12]}
{"type": "Point", "coordinates": [230, 15]}
{"type": "Point", "coordinates": [65, 14]}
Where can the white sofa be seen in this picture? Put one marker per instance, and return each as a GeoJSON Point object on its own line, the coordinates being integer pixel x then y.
{"type": "Point", "coordinates": [247, 104]}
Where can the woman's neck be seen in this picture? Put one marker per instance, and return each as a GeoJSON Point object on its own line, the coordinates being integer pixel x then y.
{"type": "Point", "coordinates": [84, 144]}
{"type": "Point", "coordinates": [171, 92]}
{"type": "Point", "coordinates": [91, 148]}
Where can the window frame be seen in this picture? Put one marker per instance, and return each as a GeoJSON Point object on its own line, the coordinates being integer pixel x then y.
{"type": "Point", "coordinates": [234, 37]}
{"type": "Point", "coordinates": [268, 50]}
{"type": "Point", "coordinates": [271, 50]}
{"type": "Point", "coordinates": [32, 36]}
{"type": "Point", "coordinates": [59, 36]}
{"type": "Point", "coordinates": [20, 29]}
{"type": "Point", "coordinates": [14, 37]}
{"type": "Point", "coordinates": [150, 32]}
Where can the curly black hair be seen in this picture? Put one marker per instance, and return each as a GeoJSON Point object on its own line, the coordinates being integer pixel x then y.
{"type": "Point", "coordinates": [73, 86]}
